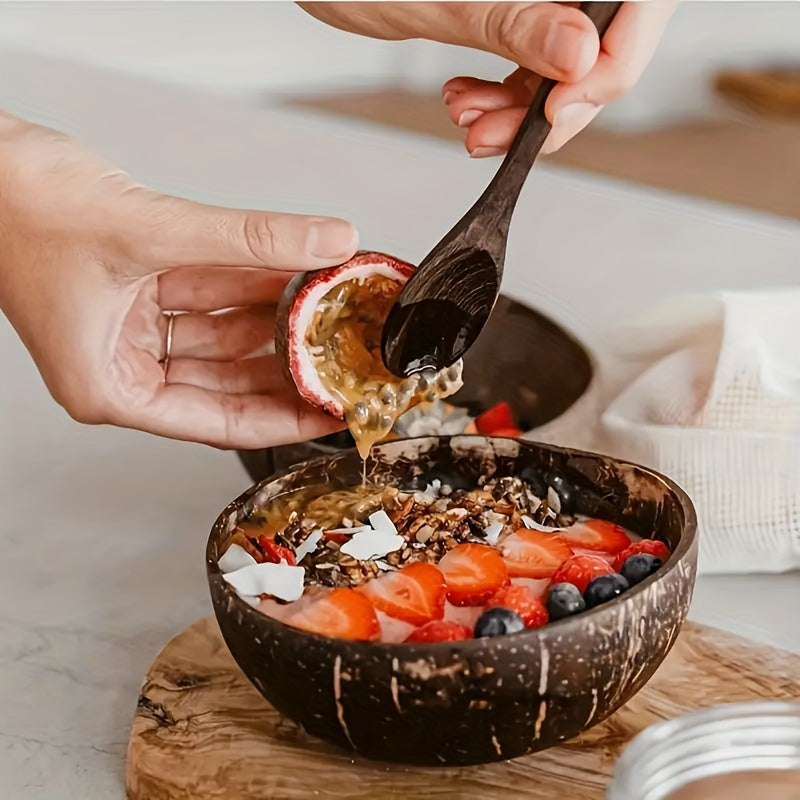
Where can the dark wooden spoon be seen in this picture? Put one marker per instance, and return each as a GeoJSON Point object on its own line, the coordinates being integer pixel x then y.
{"type": "Point", "coordinates": [445, 304]}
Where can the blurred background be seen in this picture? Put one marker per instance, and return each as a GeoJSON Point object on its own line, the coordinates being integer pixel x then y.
{"type": "Point", "coordinates": [723, 89]}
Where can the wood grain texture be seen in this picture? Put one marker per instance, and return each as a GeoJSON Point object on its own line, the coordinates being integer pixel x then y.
{"type": "Point", "coordinates": [201, 731]}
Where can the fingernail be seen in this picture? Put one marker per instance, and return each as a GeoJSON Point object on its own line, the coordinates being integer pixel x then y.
{"type": "Point", "coordinates": [331, 238]}
{"type": "Point", "coordinates": [567, 49]}
{"type": "Point", "coordinates": [486, 152]}
{"type": "Point", "coordinates": [468, 117]}
{"type": "Point", "coordinates": [568, 121]}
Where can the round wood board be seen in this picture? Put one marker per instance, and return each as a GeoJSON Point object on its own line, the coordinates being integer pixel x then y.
{"type": "Point", "coordinates": [202, 731]}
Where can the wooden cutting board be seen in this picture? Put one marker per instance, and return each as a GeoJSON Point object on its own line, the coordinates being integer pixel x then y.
{"type": "Point", "coordinates": [202, 731]}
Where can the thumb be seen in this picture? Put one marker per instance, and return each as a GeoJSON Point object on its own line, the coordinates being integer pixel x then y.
{"type": "Point", "coordinates": [173, 232]}
{"type": "Point", "coordinates": [551, 39]}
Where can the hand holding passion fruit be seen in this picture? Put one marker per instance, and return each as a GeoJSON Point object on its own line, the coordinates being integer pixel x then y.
{"type": "Point", "coordinates": [94, 267]}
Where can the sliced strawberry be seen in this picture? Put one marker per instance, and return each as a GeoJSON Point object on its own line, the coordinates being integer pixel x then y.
{"type": "Point", "coordinates": [524, 601]}
{"type": "Point", "coordinates": [276, 552]}
{"type": "Point", "coordinates": [652, 547]}
{"type": "Point", "coordinates": [339, 613]}
{"type": "Point", "coordinates": [414, 594]}
{"type": "Point", "coordinates": [473, 573]}
{"type": "Point", "coordinates": [498, 417]}
{"type": "Point", "coordinates": [597, 534]}
{"type": "Point", "coordinates": [339, 538]}
{"type": "Point", "coordinates": [580, 571]}
{"type": "Point", "coordinates": [438, 631]}
{"type": "Point", "coordinates": [533, 554]}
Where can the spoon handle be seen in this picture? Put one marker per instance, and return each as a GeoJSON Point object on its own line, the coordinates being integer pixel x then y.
{"type": "Point", "coordinates": [501, 194]}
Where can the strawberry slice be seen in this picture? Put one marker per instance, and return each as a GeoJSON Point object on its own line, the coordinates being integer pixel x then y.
{"type": "Point", "coordinates": [580, 571]}
{"type": "Point", "coordinates": [437, 631]}
{"type": "Point", "coordinates": [533, 554]}
{"type": "Point", "coordinates": [597, 534]}
{"type": "Point", "coordinates": [339, 613]}
{"type": "Point", "coordinates": [414, 594]}
{"type": "Point", "coordinates": [498, 417]}
{"type": "Point", "coordinates": [652, 547]}
{"type": "Point", "coordinates": [275, 553]}
{"type": "Point", "coordinates": [524, 601]}
{"type": "Point", "coordinates": [473, 573]}
{"type": "Point", "coordinates": [339, 538]}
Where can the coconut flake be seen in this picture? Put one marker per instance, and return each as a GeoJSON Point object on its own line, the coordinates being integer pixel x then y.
{"type": "Point", "coordinates": [431, 493]}
{"type": "Point", "coordinates": [235, 557]}
{"type": "Point", "coordinates": [349, 531]}
{"type": "Point", "coordinates": [536, 526]}
{"type": "Point", "coordinates": [278, 580]}
{"type": "Point", "coordinates": [493, 532]}
{"type": "Point", "coordinates": [308, 545]}
{"type": "Point", "coordinates": [382, 523]}
{"type": "Point", "coordinates": [372, 544]}
{"type": "Point", "coordinates": [384, 567]}
{"type": "Point", "coordinates": [553, 500]}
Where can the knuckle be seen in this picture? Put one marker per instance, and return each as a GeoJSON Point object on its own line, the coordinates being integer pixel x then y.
{"type": "Point", "coordinates": [259, 236]}
{"type": "Point", "coordinates": [234, 420]}
{"type": "Point", "coordinates": [509, 25]}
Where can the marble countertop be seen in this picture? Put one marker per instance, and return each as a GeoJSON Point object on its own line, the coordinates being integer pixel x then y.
{"type": "Point", "coordinates": [102, 530]}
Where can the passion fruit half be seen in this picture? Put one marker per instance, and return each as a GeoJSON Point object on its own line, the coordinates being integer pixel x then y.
{"type": "Point", "coordinates": [328, 336]}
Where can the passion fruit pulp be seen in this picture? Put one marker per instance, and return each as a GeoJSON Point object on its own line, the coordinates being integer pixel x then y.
{"type": "Point", "coordinates": [328, 336]}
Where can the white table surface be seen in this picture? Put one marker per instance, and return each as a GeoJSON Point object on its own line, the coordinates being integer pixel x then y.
{"type": "Point", "coordinates": [102, 530]}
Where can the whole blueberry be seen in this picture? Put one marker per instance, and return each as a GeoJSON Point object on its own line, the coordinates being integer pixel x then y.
{"type": "Point", "coordinates": [605, 588]}
{"type": "Point", "coordinates": [564, 600]}
{"type": "Point", "coordinates": [639, 566]}
{"type": "Point", "coordinates": [499, 622]}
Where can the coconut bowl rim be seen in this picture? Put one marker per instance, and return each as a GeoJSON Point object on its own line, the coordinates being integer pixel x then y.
{"type": "Point", "coordinates": [472, 646]}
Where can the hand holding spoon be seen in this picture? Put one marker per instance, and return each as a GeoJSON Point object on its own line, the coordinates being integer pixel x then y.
{"type": "Point", "coordinates": [445, 304]}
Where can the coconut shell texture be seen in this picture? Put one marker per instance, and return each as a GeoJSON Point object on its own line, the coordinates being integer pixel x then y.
{"type": "Point", "coordinates": [288, 338]}
{"type": "Point", "coordinates": [479, 700]}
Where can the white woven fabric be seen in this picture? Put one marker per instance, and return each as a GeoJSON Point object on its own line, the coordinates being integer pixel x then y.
{"type": "Point", "coordinates": [712, 399]}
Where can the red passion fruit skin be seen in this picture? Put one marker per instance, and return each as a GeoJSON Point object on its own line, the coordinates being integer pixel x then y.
{"type": "Point", "coordinates": [296, 309]}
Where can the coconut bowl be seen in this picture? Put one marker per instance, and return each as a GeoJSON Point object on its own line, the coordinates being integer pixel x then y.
{"type": "Point", "coordinates": [521, 356]}
{"type": "Point", "coordinates": [480, 700]}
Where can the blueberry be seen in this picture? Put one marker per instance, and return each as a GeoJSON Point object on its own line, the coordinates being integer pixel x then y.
{"type": "Point", "coordinates": [639, 566]}
{"type": "Point", "coordinates": [498, 622]}
{"type": "Point", "coordinates": [563, 600]}
{"type": "Point", "coordinates": [605, 588]}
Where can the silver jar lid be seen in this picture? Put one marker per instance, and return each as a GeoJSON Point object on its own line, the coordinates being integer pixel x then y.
{"type": "Point", "coordinates": [721, 740]}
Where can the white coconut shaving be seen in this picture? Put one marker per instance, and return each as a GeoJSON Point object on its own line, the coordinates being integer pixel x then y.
{"type": "Point", "coordinates": [382, 522]}
{"type": "Point", "coordinates": [430, 494]}
{"type": "Point", "coordinates": [235, 557]}
{"type": "Point", "coordinates": [536, 526]}
{"type": "Point", "coordinates": [377, 541]}
{"type": "Point", "coordinates": [493, 532]}
{"type": "Point", "coordinates": [308, 545]}
{"type": "Point", "coordinates": [279, 580]}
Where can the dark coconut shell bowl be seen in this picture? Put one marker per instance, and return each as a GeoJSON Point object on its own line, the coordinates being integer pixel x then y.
{"type": "Point", "coordinates": [479, 700]}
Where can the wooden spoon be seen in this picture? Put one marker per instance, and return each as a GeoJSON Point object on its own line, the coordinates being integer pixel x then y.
{"type": "Point", "coordinates": [445, 304]}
